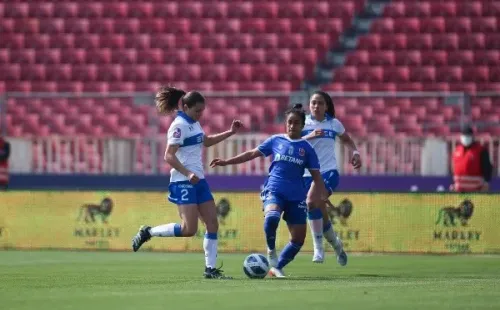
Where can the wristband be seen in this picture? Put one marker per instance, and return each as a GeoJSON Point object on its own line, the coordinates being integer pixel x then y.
{"type": "Point", "coordinates": [355, 153]}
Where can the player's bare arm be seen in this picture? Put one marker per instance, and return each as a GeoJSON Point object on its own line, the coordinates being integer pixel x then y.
{"type": "Point", "coordinates": [216, 138]}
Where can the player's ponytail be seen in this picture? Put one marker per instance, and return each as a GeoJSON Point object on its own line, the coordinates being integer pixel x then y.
{"type": "Point", "coordinates": [167, 99]}
{"type": "Point", "coordinates": [330, 108]}
{"type": "Point", "coordinates": [298, 110]}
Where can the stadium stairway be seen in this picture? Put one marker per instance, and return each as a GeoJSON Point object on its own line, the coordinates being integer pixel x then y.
{"type": "Point", "coordinates": [335, 58]}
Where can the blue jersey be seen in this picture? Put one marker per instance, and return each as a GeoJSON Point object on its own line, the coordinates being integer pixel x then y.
{"type": "Point", "coordinates": [290, 159]}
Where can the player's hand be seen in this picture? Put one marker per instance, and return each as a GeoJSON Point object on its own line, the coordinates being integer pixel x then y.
{"type": "Point", "coordinates": [218, 162]}
{"type": "Point", "coordinates": [236, 126]}
{"type": "Point", "coordinates": [356, 161]}
{"type": "Point", "coordinates": [452, 188]}
{"type": "Point", "coordinates": [193, 178]}
{"type": "Point", "coordinates": [314, 134]}
{"type": "Point", "coordinates": [485, 187]}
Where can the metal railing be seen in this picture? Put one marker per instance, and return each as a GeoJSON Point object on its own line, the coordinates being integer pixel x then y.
{"type": "Point", "coordinates": [68, 155]}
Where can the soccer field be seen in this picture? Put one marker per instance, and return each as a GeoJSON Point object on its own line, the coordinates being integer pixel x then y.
{"type": "Point", "coordinates": [102, 280]}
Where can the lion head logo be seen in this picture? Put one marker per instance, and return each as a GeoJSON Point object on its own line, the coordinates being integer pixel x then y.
{"type": "Point", "coordinates": [448, 216]}
{"type": "Point", "coordinates": [89, 212]}
{"type": "Point", "coordinates": [340, 213]}
{"type": "Point", "coordinates": [223, 208]}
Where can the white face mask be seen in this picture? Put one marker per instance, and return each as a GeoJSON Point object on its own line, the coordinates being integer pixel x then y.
{"type": "Point", "coordinates": [466, 140]}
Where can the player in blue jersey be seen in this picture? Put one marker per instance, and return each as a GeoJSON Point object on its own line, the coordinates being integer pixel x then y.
{"type": "Point", "coordinates": [321, 130]}
{"type": "Point", "coordinates": [188, 188]}
{"type": "Point", "coordinates": [284, 190]}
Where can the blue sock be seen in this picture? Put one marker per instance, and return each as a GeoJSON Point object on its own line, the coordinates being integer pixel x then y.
{"type": "Point", "coordinates": [288, 254]}
{"type": "Point", "coordinates": [271, 221]}
{"type": "Point", "coordinates": [315, 214]}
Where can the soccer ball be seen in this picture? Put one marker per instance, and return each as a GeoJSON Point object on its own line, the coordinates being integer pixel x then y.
{"type": "Point", "coordinates": [256, 266]}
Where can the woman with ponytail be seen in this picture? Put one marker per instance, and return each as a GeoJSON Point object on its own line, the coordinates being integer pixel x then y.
{"type": "Point", "coordinates": [188, 188]}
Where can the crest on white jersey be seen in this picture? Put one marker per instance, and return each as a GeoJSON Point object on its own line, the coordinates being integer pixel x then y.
{"type": "Point", "coordinates": [177, 133]}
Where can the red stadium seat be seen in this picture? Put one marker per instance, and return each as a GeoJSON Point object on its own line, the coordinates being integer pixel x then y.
{"type": "Point", "coordinates": [49, 56]}
{"type": "Point", "coordinates": [203, 26]}
{"type": "Point", "coordinates": [489, 57]}
{"type": "Point", "coordinates": [16, 9]}
{"type": "Point", "coordinates": [434, 58]}
{"type": "Point", "coordinates": [461, 58]}
{"type": "Point", "coordinates": [397, 74]}
{"type": "Point", "coordinates": [449, 74]}
{"type": "Point", "coordinates": [99, 56]}
{"type": "Point", "coordinates": [66, 10]}
{"type": "Point", "coordinates": [41, 10]}
{"type": "Point", "coordinates": [26, 56]}
{"type": "Point", "coordinates": [278, 26]}
{"type": "Point", "coordinates": [346, 74]}
{"type": "Point", "coordinates": [423, 74]}
{"type": "Point", "coordinates": [60, 72]}
{"type": "Point", "coordinates": [279, 56]}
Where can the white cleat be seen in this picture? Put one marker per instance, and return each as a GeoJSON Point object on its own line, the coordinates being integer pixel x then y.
{"type": "Point", "coordinates": [272, 257]}
{"type": "Point", "coordinates": [277, 273]}
{"type": "Point", "coordinates": [319, 256]}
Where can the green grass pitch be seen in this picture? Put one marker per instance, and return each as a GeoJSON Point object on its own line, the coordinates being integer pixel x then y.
{"type": "Point", "coordinates": [103, 280]}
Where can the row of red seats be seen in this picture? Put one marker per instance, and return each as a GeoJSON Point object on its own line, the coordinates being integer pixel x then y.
{"type": "Point", "coordinates": [188, 72]}
{"type": "Point", "coordinates": [443, 8]}
{"type": "Point", "coordinates": [185, 9]}
{"type": "Point", "coordinates": [78, 87]}
{"type": "Point", "coordinates": [423, 58]}
{"type": "Point", "coordinates": [470, 87]}
{"type": "Point", "coordinates": [436, 25]}
{"type": "Point", "coordinates": [181, 56]}
{"type": "Point", "coordinates": [417, 74]}
{"type": "Point", "coordinates": [449, 41]}
{"type": "Point", "coordinates": [319, 41]}
{"type": "Point", "coordinates": [177, 26]}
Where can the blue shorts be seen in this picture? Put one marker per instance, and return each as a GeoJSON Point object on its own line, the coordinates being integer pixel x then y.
{"type": "Point", "coordinates": [331, 179]}
{"type": "Point", "coordinates": [294, 211]}
{"type": "Point", "coordinates": [185, 193]}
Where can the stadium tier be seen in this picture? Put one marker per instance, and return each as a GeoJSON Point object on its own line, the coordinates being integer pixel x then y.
{"type": "Point", "coordinates": [102, 46]}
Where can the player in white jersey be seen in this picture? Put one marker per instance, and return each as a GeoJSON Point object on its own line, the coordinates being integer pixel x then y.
{"type": "Point", "coordinates": [321, 130]}
{"type": "Point", "coordinates": [188, 188]}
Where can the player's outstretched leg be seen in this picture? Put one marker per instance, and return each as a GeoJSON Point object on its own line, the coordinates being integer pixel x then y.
{"type": "Point", "coordinates": [142, 236]}
{"type": "Point", "coordinates": [271, 222]}
{"type": "Point", "coordinates": [315, 219]}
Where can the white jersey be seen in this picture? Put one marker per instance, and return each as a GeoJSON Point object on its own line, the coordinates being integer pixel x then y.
{"type": "Point", "coordinates": [188, 134]}
{"type": "Point", "coordinates": [325, 145]}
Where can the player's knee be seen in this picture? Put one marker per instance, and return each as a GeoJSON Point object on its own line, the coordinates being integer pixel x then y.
{"type": "Point", "coordinates": [189, 229]}
{"type": "Point", "coordinates": [298, 239]}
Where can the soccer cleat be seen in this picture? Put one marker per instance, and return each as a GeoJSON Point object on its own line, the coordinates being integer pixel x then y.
{"type": "Point", "coordinates": [341, 254]}
{"type": "Point", "coordinates": [142, 236]}
{"type": "Point", "coordinates": [342, 258]}
{"type": "Point", "coordinates": [319, 256]}
{"type": "Point", "coordinates": [277, 273]}
{"type": "Point", "coordinates": [215, 273]}
{"type": "Point", "coordinates": [272, 257]}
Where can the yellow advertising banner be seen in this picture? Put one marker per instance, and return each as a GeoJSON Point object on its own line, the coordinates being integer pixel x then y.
{"type": "Point", "coordinates": [366, 222]}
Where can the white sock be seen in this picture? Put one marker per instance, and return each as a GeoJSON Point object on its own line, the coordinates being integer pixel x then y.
{"type": "Point", "coordinates": [166, 230]}
{"type": "Point", "coordinates": [210, 247]}
{"type": "Point", "coordinates": [331, 237]}
{"type": "Point", "coordinates": [317, 234]}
